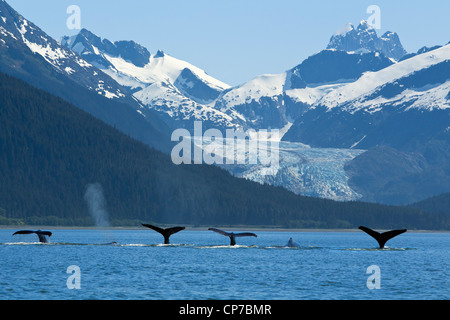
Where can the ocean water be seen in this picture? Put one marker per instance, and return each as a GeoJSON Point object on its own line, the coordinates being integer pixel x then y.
{"type": "Point", "coordinates": [200, 265]}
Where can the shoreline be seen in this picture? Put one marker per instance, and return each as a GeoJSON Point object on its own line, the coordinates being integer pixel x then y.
{"type": "Point", "coordinates": [190, 228]}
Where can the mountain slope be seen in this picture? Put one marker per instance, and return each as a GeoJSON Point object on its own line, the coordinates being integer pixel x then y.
{"type": "Point", "coordinates": [419, 74]}
{"type": "Point", "coordinates": [386, 175]}
{"type": "Point", "coordinates": [384, 107]}
{"type": "Point", "coordinates": [177, 90]}
{"type": "Point", "coordinates": [401, 115]}
{"type": "Point", "coordinates": [183, 93]}
{"type": "Point", "coordinates": [14, 28]}
{"type": "Point", "coordinates": [277, 100]}
{"type": "Point", "coordinates": [50, 151]}
{"type": "Point", "coordinates": [336, 66]}
{"type": "Point", "coordinates": [29, 54]}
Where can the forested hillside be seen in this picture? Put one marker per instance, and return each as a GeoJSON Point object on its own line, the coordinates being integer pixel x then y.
{"type": "Point", "coordinates": [18, 61]}
{"type": "Point", "coordinates": [436, 204]}
{"type": "Point", "coordinates": [50, 151]}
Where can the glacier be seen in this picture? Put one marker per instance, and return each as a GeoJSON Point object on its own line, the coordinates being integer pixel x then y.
{"type": "Point", "coordinates": [314, 172]}
{"type": "Point", "coordinates": [304, 170]}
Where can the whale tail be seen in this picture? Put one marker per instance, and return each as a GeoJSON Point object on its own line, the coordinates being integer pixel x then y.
{"type": "Point", "coordinates": [384, 237]}
{"type": "Point", "coordinates": [42, 235]}
{"type": "Point", "coordinates": [232, 235]}
{"type": "Point", "coordinates": [166, 233]}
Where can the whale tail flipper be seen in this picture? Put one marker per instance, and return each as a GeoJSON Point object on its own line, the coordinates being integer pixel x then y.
{"type": "Point", "coordinates": [41, 234]}
{"type": "Point", "coordinates": [384, 237]}
{"type": "Point", "coordinates": [224, 233]}
{"type": "Point", "coordinates": [166, 233]}
{"type": "Point", "coordinates": [245, 234]}
{"type": "Point", "coordinates": [233, 236]}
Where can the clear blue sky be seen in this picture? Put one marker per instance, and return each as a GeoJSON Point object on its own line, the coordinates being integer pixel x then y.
{"type": "Point", "coordinates": [236, 40]}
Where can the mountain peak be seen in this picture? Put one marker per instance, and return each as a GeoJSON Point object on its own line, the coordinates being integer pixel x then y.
{"type": "Point", "coordinates": [363, 25]}
{"type": "Point", "coordinates": [86, 32]}
{"type": "Point", "coordinates": [364, 38]}
{"type": "Point", "coordinates": [87, 43]}
{"type": "Point", "coordinates": [134, 52]}
{"type": "Point", "coordinates": [160, 54]}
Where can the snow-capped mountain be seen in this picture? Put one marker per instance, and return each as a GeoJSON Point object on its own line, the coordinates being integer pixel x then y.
{"type": "Point", "coordinates": [420, 51]}
{"type": "Point", "coordinates": [401, 115]}
{"type": "Point", "coordinates": [28, 53]}
{"type": "Point", "coordinates": [419, 82]}
{"type": "Point", "coordinates": [336, 66]}
{"type": "Point", "coordinates": [14, 27]}
{"type": "Point", "coordinates": [364, 38]}
{"type": "Point", "coordinates": [395, 98]}
{"type": "Point", "coordinates": [86, 44]}
{"type": "Point", "coordinates": [179, 91]}
{"type": "Point", "coordinates": [275, 101]}
{"type": "Point", "coordinates": [183, 93]}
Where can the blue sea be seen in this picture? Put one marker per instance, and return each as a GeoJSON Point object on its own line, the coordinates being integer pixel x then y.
{"type": "Point", "coordinates": [120, 264]}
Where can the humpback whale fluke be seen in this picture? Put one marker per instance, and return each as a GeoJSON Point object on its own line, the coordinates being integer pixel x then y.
{"type": "Point", "coordinates": [232, 235]}
{"type": "Point", "coordinates": [41, 234]}
{"type": "Point", "coordinates": [384, 237]}
{"type": "Point", "coordinates": [165, 232]}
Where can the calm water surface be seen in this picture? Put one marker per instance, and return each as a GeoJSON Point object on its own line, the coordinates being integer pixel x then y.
{"type": "Point", "coordinates": [200, 265]}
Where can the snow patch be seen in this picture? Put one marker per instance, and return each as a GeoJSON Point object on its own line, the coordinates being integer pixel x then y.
{"type": "Point", "coordinates": [69, 70]}
{"type": "Point", "coordinates": [369, 81]}
{"type": "Point", "coordinates": [48, 53]}
{"type": "Point", "coordinates": [268, 85]}
{"type": "Point", "coordinates": [6, 33]}
{"type": "Point", "coordinates": [23, 27]}
{"type": "Point", "coordinates": [160, 69]}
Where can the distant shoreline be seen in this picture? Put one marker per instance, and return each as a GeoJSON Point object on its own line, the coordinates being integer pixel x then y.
{"type": "Point", "coordinates": [189, 228]}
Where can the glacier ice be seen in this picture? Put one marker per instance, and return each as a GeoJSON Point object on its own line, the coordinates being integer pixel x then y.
{"type": "Point", "coordinates": [307, 171]}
